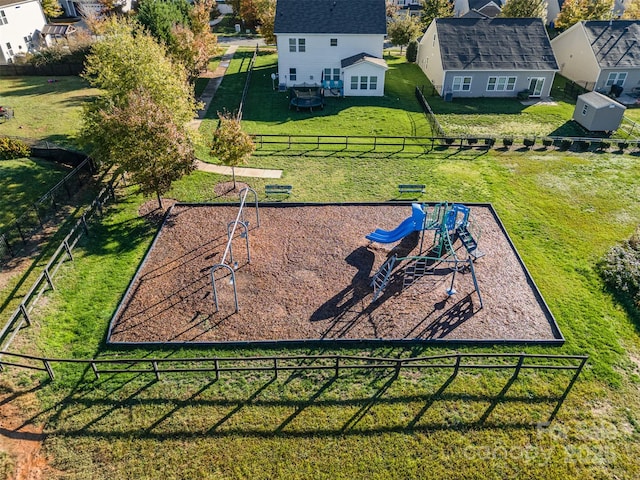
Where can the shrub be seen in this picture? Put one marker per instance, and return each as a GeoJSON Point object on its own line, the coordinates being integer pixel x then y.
{"type": "Point", "coordinates": [623, 145]}
{"type": "Point", "coordinates": [529, 142]}
{"type": "Point", "coordinates": [582, 145]}
{"type": "Point", "coordinates": [620, 269]}
{"type": "Point", "coordinates": [449, 140]}
{"type": "Point", "coordinates": [507, 142]}
{"type": "Point", "coordinates": [489, 142]}
{"type": "Point", "coordinates": [472, 141]}
{"type": "Point", "coordinates": [565, 144]}
{"type": "Point", "coordinates": [547, 142]}
{"type": "Point", "coordinates": [603, 145]}
{"type": "Point", "coordinates": [412, 51]}
{"type": "Point", "coordinates": [11, 148]}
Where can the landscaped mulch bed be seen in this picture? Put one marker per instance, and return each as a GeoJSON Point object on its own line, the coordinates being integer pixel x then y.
{"type": "Point", "coordinates": [310, 279]}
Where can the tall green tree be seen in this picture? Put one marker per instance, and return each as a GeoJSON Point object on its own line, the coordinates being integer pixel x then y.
{"type": "Point", "coordinates": [574, 11]}
{"type": "Point", "coordinates": [435, 9]}
{"type": "Point", "coordinates": [231, 145]}
{"type": "Point", "coordinates": [525, 9]}
{"type": "Point", "coordinates": [139, 123]}
{"type": "Point", "coordinates": [161, 16]}
{"type": "Point", "coordinates": [402, 29]}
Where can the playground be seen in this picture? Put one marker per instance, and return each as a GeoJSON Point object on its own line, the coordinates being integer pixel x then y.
{"type": "Point", "coordinates": [338, 272]}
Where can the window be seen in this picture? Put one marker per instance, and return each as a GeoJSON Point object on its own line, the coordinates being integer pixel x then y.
{"type": "Point", "coordinates": [461, 84]}
{"type": "Point", "coordinates": [364, 81]}
{"type": "Point", "coordinates": [293, 74]}
{"type": "Point", "coordinates": [585, 109]}
{"type": "Point", "coordinates": [331, 74]}
{"type": "Point", "coordinates": [354, 83]}
{"type": "Point", "coordinates": [500, 84]}
{"type": "Point", "coordinates": [616, 78]}
{"type": "Point", "coordinates": [9, 49]}
{"type": "Point", "coordinates": [327, 74]}
{"type": "Point", "coordinates": [336, 74]}
{"type": "Point", "coordinates": [373, 83]}
{"type": "Point", "coordinates": [333, 42]}
{"type": "Point", "coordinates": [3, 18]}
{"type": "Point", "coordinates": [297, 44]}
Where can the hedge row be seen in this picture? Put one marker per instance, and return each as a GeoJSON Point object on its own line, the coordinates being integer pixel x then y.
{"type": "Point", "coordinates": [11, 148]}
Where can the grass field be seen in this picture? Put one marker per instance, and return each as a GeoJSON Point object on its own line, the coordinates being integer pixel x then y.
{"type": "Point", "coordinates": [23, 181]}
{"type": "Point", "coordinates": [562, 211]}
{"type": "Point", "coordinates": [45, 110]}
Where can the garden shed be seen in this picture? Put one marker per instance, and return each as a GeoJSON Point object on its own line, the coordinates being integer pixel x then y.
{"type": "Point", "coordinates": [598, 113]}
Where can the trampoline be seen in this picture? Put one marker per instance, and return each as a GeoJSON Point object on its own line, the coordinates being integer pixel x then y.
{"type": "Point", "coordinates": [306, 97]}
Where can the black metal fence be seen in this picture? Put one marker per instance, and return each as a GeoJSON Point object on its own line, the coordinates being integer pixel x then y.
{"type": "Point", "coordinates": [573, 90]}
{"type": "Point", "coordinates": [58, 69]}
{"type": "Point", "coordinates": [436, 128]}
{"type": "Point", "coordinates": [15, 236]}
{"type": "Point", "coordinates": [20, 316]}
{"type": "Point", "coordinates": [246, 84]}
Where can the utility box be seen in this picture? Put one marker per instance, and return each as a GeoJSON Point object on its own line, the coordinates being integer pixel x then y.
{"type": "Point", "coordinates": [598, 113]}
{"type": "Point", "coordinates": [237, 26]}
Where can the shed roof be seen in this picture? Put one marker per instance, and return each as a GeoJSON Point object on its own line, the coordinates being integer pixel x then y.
{"type": "Point", "coordinates": [615, 43]}
{"type": "Point", "coordinates": [598, 100]}
{"type": "Point", "coordinates": [494, 44]}
{"type": "Point", "coordinates": [363, 57]}
{"type": "Point", "coordinates": [331, 16]}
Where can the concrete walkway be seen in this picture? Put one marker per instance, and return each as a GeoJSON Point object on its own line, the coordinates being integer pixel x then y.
{"type": "Point", "coordinates": [240, 171]}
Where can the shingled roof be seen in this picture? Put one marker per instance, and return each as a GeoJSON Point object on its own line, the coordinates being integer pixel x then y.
{"type": "Point", "coordinates": [331, 16]}
{"type": "Point", "coordinates": [616, 43]}
{"type": "Point", "coordinates": [494, 44]}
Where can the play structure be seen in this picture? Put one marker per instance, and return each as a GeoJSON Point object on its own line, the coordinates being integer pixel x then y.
{"type": "Point", "coordinates": [450, 224]}
{"type": "Point", "coordinates": [306, 96]}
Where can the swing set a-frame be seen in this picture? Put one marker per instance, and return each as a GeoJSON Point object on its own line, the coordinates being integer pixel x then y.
{"type": "Point", "coordinates": [450, 223]}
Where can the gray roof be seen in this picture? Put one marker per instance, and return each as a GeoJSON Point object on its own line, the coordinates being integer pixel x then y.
{"type": "Point", "coordinates": [597, 100]}
{"type": "Point", "coordinates": [494, 44]}
{"type": "Point", "coordinates": [331, 16]}
{"type": "Point", "coordinates": [6, 3]}
{"type": "Point", "coordinates": [362, 57]}
{"type": "Point", "coordinates": [616, 43]}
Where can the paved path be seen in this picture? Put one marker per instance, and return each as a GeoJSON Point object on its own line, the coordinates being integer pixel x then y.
{"type": "Point", "coordinates": [215, 79]}
{"type": "Point", "coordinates": [240, 171]}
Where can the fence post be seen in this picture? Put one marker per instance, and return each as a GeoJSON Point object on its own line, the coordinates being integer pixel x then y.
{"type": "Point", "coordinates": [47, 275]}
{"type": "Point", "coordinates": [456, 367]}
{"type": "Point", "coordinates": [48, 368]}
{"type": "Point", "coordinates": [337, 372]}
{"type": "Point", "coordinates": [397, 368]}
{"type": "Point", "coordinates": [275, 367]}
{"type": "Point", "coordinates": [217, 367]}
{"type": "Point", "coordinates": [85, 227]}
{"type": "Point", "coordinates": [95, 370]}
{"type": "Point", "coordinates": [68, 249]}
{"type": "Point", "coordinates": [23, 310]}
{"type": "Point", "coordinates": [155, 369]}
{"type": "Point", "coordinates": [35, 207]}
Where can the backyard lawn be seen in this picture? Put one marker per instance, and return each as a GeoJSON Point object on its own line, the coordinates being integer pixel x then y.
{"type": "Point", "coordinates": [45, 108]}
{"type": "Point", "coordinates": [23, 181]}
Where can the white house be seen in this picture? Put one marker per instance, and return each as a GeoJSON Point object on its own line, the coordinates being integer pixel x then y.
{"type": "Point", "coordinates": [77, 8]}
{"type": "Point", "coordinates": [337, 44]}
{"type": "Point", "coordinates": [21, 22]}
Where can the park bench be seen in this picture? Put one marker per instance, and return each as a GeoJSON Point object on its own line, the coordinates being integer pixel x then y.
{"type": "Point", "coordinates": [278, 189]}
{"type": "Point", "coordinates": [411, 188]}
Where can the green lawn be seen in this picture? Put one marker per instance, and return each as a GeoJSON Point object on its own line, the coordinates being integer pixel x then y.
{"type": "Point", "coordinates": [24, 181]}
{"type": "Point", "coordinates": [562, 211]}
{"type": "Point", "coordinates": [45, 110]}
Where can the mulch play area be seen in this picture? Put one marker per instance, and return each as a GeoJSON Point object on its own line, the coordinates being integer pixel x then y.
{"type": "Point", "coordinates": [309, 279]}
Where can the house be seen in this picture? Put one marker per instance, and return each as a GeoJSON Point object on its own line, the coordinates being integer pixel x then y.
{"type": "Point", "coordinates": [489, 8]}
{"type": "Point", "coordinates": [487, 57]}
{"type": "Point", "coordinates": [601, 55]}
{"type": "Point", "coordinates": [409, 7]}
{"type": "Point", "coordinates": [21, 22]}
{"type": "Point", "coordinates": [598, 113]}
{"type": "Point", "coordinates": [337, 44]}
{"type": "Point", "coordinates": [78, 8]}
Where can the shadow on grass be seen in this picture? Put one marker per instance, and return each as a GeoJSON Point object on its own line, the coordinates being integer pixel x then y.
{"type": "Point", "coordinates": [84, 413]}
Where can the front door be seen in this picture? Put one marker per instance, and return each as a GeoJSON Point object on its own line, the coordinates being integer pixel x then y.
{"type": "Point", "coordinates": [535, 87]}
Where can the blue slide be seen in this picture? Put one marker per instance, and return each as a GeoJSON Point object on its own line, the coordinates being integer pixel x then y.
{"type": "Point", "coordinates": [412, 224]}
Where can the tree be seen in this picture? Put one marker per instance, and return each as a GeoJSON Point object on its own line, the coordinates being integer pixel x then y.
{"type": "Point", "coordinates": [525, 9]}
{"type": "Point", "coordinates": [160, 16]}
{"type": "Point", "coordinates": [231, 144]}
{"type": "Point", "coordinates": [52, 8]}
{"type": "Point", "coordinates": [267, 18]}
{"type": "Point", "coordinates": [574, 11]}
{"type": "Point", "coordinates": [402, 29]}
{"type": "Point", "coordinates": [412, 51]}
{"type": "Point", "coordinates": [249, 13]}
{"type": "Point", "coordinates": [391, 7]}
{"type": "Point", "coordinates": [435, 9]}
{"type": "Point", "coordinates": [139, 123]}
{"type": "Point", "coordinates": [141, 138]}
{"type": "Point", "coordinates": [632, 11]}
{"type": "Point", "coordinates": [126, 58]}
